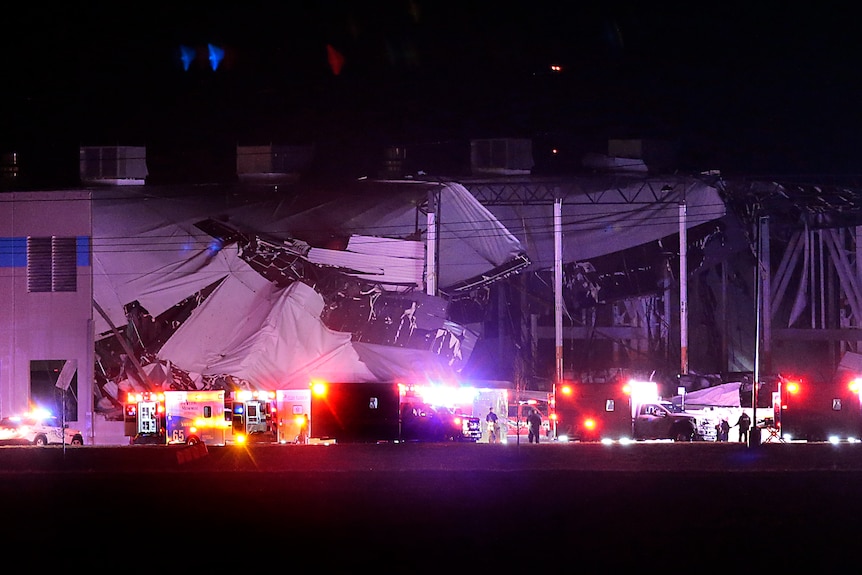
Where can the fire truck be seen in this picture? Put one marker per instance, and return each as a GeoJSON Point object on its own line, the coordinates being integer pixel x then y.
{"type": "Point", "coordinates": [520, 405]}
{"type": "Point", "coordinates": [820, 411]}
{"type": "Point", "coordinates": [175, 417]}
{"type": "Point", "coordinates": [252, 416]}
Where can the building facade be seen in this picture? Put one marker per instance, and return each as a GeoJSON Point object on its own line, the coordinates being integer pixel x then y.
{"type": "Point", "coordinates": [46, 312]}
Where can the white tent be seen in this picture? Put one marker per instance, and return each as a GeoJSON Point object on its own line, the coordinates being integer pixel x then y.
{"type": "Point", "coordinates": [722, 395]}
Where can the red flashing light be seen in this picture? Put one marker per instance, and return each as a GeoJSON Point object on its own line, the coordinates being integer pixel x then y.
{"type": "Point", "coordinates": [590, 424]}
{"type": "Point", "coordinates": [319, 388]}
{"type": "Point", "coordinates": [566, 390]}
{"type": "Point", "coordinates": [792, 387]}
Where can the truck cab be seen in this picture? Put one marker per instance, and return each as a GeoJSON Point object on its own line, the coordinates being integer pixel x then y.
{"type": "Point", "coordinates": [664, 420]}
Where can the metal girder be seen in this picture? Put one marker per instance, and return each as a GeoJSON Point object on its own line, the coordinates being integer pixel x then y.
{"type": "Point", "coordinates": [585, 190]}
{"type": "Point", "coordinates": [830, 203]}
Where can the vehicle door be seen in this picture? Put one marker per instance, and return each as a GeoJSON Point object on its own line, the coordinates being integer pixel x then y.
{"type": "Point", "coordinates": [650, 422]}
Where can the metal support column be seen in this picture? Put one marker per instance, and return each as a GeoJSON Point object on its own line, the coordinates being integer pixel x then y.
{"type": "Point", "coordinates": [683, 286]}
{"type": "Point", "coordinates": [558, 299]}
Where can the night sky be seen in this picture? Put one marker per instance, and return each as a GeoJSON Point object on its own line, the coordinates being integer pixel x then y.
{"type": "Point", "coordinates": [747, 87]}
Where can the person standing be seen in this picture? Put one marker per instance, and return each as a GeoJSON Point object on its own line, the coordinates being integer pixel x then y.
{"type": "Point", "coordinates": [302, 436]}
{"type": "Point", "coordinates": [723, 429]}
{"type": "Point", "coordinates": [744, 423]}
{"type": "Point", "coordinates": [534, 423]}
{"type": "Point", "coordinates": [491, 421]}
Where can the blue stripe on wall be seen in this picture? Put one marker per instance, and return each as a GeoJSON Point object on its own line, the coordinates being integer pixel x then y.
{"type": "Point", "coordinates": [83, 251]}
{"type": "Point", "coordinates": [13, 252]}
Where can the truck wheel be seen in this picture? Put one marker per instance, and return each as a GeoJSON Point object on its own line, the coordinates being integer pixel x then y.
{"type": "Point", "coordinates": [683, 434]}
{"type": "Point", "coordinates": [40, 440]}
{"type": "Point", "coordinates": [77, 440]}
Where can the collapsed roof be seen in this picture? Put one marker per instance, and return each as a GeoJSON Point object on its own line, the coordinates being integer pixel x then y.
{"type": "Point", "coordinates": [281, 271]}
{"type": "Point", "coordinates": [330, 283]}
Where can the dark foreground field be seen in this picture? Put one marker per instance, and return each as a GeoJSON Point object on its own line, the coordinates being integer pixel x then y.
{"type": "Point", "coordinates": [442, 508]}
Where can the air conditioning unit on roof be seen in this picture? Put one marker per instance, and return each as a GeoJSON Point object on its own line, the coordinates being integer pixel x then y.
{"type": "Point", "coordinates": [114, 163]}
{"type": "Point", "coordinates": [272, 159]}
{"type": "Point", "coordinates": [501, 156]}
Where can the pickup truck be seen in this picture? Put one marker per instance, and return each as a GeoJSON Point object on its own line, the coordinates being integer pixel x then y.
{"type": "Point", "coordinates": [664, 420]}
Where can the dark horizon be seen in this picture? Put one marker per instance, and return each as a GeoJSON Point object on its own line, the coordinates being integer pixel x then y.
{"type": "Point", "coordinates": [739, 88]}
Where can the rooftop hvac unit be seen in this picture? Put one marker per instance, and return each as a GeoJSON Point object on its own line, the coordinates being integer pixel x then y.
{"type": "Point", "coordinates": [113, 163]}
{"type": "Point", "coordinates": [501, 156]}
{"type": "Point", "coordinates": [272, 159]}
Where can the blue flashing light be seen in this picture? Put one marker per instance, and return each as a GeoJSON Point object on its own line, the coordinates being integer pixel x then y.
{"type": "Point", "coordinates": [216, 56]}
{"type": "Point", "coordinates": [187, 55]}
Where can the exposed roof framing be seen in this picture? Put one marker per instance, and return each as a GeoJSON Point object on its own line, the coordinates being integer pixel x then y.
{"type": "Point", "coordinates": [604, 190]}
{"type": "Point", "coordinates": [822, 204]}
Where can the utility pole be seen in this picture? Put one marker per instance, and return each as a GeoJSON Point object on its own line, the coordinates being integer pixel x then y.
{"type": "Point", "coordinates": [558, 299]}
{"type": "Point", "coordinates": [431, 243]}
{"type": "Point", "coordinates": [760, 272]}
{"type": "Point", "coordinates": [683, 285]}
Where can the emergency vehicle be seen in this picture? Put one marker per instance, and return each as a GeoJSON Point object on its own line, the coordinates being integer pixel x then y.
{"type": "Point", "coordinates": [594, 412]}
{"type": "Point", "coordinates": [175, 417]}
{"type": "Point", "coordinates": [439, 413]}
{"type": "Point", "coordinates": [252, 416]}
{"type": "Point", "coordinates": [614, 412]}
{"type": "Point", "coordinates": [37, 427]}
{"type": "Point", "coordinates": [353, 412]}
{"type": "Point", "coordinates": [293, 407]}
{"type": "Point", "coordinates": [819, 411]}
{"type": "Point", "coordinates": [518, 410]}
{"type": "Point", "coordinates": [356, 412]}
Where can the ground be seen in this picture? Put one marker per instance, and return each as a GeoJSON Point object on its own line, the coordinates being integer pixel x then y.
{"type": "Point", "coordinates": [423, 508]}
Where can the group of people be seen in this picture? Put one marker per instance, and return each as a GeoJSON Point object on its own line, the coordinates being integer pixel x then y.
{"type": "Point", "coordinates": [534, 426]}
{"type": "Point", "coordinates": [723, 428]}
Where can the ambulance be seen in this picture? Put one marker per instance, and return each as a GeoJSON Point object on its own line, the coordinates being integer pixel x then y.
{"type": "Point", "coordinates": [252, 416]}
{"type": "Point", "coordinates": [175, 417]}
